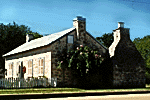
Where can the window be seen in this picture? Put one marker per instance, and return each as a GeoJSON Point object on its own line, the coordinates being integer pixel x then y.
{"type": "Point", "coordinates": [30, 68]}
{"type": "Point", "coordinates": [41, 66]}
{"type": "Point", "coordinates": [70, 39]}
{"type": "Point", "coordinates": [11, 70]}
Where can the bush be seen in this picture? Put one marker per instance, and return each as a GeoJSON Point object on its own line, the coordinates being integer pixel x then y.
{"type": "Point", "coordinates": [83, 61]}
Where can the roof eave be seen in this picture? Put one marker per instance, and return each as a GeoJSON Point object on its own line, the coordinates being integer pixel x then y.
{"type": "Point", "coordinates": [5, 55]}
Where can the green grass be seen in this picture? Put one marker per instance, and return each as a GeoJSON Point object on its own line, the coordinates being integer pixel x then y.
{"type": "Point", "coordinates": [64, 90]}
{"type": "Point", "coordinates": [38, 90]}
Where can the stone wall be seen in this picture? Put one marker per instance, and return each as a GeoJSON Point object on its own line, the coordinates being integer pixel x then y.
{"type": "Point", "coordinates": [58, 46]}
{"type": "Point", "coordinates": [128, 64]}
{"type": "Point", "coordinates": [57, 49]}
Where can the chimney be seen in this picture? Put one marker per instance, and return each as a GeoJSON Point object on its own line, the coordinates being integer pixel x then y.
{"type": "Point", "coordinates": [80, 24]}
{"type": "Point", "coordinates": [79, 18]}
{"type": "Point", "coordinates": [29, 37]}
{"type": "Point", "coordinates": [120, 24]}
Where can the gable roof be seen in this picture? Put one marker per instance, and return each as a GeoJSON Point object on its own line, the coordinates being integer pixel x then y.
{"type": "Point", "coordinates": [43, 41]}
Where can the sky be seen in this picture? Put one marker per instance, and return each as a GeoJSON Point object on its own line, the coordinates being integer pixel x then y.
{"type": "Point", "coordinates": [102, 16]}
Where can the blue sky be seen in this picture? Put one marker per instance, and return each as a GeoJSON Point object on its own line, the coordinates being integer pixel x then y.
{"type": "Point", "coordinates": [51, 16]}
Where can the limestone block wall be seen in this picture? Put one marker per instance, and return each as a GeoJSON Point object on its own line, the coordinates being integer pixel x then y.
{"type": "Point", "coordinates": [61, 44]}
{"type": "Point", "coordinates": [128, 64]}
{"type": "Point", "coordinates": [58, 46]}
{"type": "Point", "coordinates": [57, 49]}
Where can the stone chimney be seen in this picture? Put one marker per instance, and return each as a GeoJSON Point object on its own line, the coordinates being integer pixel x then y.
{"type": "Point", "coordinates": [29, 37]}
{"type": "Point", "coordinates": [127, 62]}
{"type": "Point", "coordinates": [121, 35]}
{"type": "Point", "coordinates": [120, 24]}
{"type": "Point", "coordinates": [80, 24]}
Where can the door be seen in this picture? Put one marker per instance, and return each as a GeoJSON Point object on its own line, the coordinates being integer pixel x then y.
{"type": "Point", "coordinates": [21, 71]}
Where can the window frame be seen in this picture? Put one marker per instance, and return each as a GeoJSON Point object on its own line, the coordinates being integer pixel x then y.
{"type": "Point", "coordinates": [30, 75]}
{"type": "Point", "coordinates": [40, 67]}
{"type": "Point", "coordinates": [10, 71]}
{"type": "Point", "coordinates": [68, 39]}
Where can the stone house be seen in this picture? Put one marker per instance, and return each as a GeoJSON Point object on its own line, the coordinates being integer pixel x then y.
{"type": "Point", "coordinates": [125, 65]}
{"type": "Point", "coordinates": [39, 56]}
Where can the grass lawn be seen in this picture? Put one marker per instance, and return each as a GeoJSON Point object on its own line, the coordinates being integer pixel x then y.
{"type": "Point", "coordinates": [64, 90]}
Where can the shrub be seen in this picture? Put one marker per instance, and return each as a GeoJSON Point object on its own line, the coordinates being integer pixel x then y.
{"type": "Point", "coordinates": [83, 61]}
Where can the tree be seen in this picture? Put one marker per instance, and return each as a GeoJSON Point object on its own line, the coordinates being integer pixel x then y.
{"type": "Point", "coordinates": [35, 35]}
{"type": "Point", "coordinates": [12, 36]}
{"type": "Point", "coordinates": [143, 46]}
{"type": "Point", "coordinates": [106, 39]}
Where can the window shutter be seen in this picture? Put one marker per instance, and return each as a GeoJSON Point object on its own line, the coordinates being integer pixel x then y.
{"type": "Point", "coordinates": [42, 61]}
{"type": "Point", "coordinates": [12, 68]}
{"type": "Point", "coordinates": [9, 71]}
{"type": "Point", "coordinates": [17, 68]}
{"type": "Point", "coordinates": [39, 67]}
{"type": "Point", "coordinates": [43, 66]}
{"type": "Point", "coordinates": [29, 69]}
{"type": "Point", "coordinates": [32, 66]}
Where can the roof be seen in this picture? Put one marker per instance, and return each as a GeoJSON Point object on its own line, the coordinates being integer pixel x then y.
{"type": "Point", "coordinates": [43, 41]}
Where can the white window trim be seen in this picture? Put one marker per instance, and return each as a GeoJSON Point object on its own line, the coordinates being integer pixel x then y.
{"type": "Point", "coordinates": [10, 70]}
{"type": "Point", "coordinates": [39, 68]}
{"type": "Point", "coordinates": [30, 75]}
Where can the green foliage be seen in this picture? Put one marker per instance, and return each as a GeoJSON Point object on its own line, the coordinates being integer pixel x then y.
{"type": "Point", "coordinates": [143, 46]}
{"type": "Point", "coordinates": [106, 39]}
{"type": "Point", "coordinates": [12, 36]}
{"type": "Point", "coordinates": [35, 35]}
{"type": "Point", "coordinates": [81, 60]}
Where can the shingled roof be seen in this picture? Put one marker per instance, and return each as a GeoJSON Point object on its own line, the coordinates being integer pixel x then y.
{"type": "Point", "coordinates": [43, 41]}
